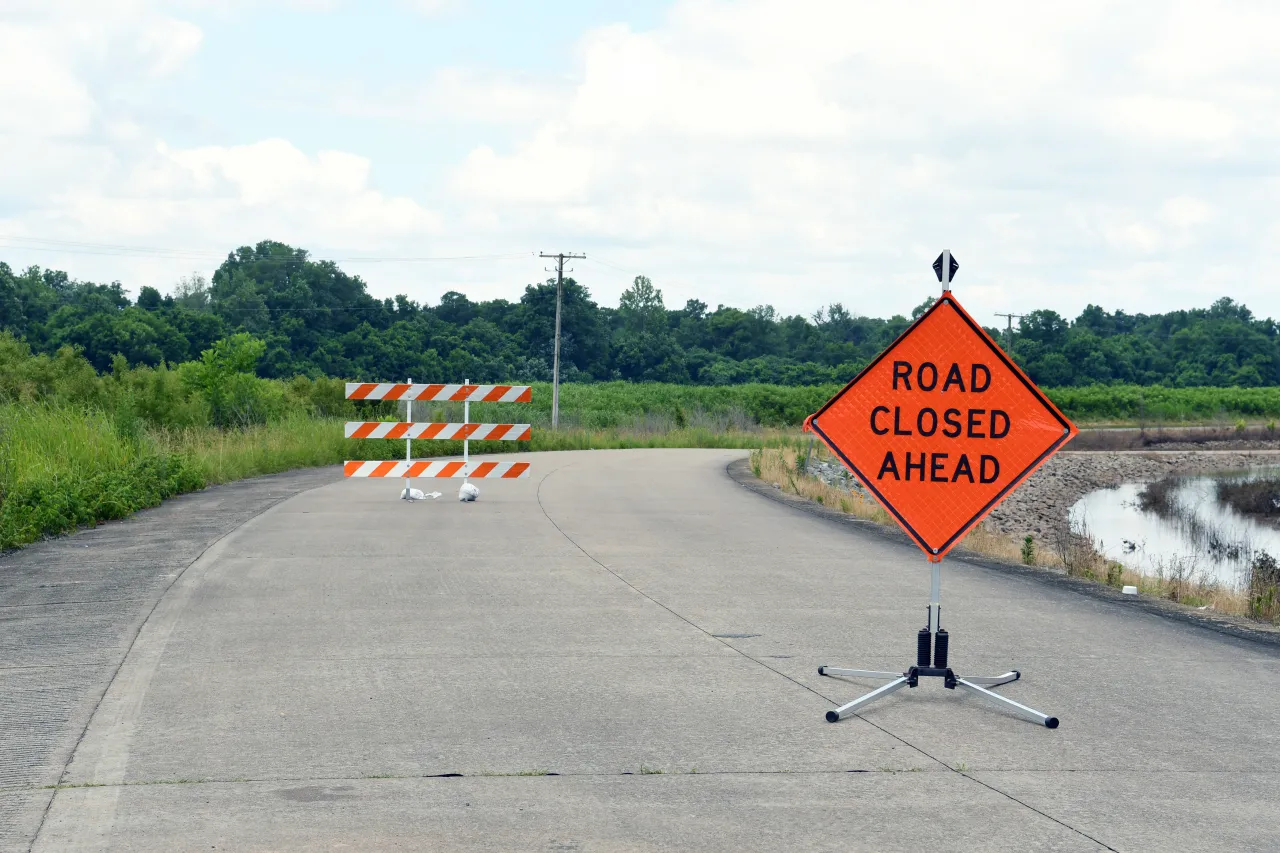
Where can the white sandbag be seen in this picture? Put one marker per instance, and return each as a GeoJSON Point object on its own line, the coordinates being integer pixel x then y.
{"type": "Point", "coordinates": [418, 495]}
{"type": "Point", "coordinates": [468, 493]}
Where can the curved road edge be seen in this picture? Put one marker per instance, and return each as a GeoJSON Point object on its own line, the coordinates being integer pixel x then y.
{"type": "Point", "coordinates": [71, 609]}
{"type": "Point", "coordinates": [740, 472]}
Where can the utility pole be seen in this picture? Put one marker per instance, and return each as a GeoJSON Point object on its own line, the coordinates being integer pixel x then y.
{"type": "Point", "coordinates": [555, 367]}
{"type": "Point", "coordinates": [1009, 334]}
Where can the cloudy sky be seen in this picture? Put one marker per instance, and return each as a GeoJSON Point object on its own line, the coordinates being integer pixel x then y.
{"type": "Point", "coordinates": [790, 152]}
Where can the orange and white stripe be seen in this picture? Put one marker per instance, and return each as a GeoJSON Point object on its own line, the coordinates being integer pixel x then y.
{"type": "Point", "coordinates": [439, 393]}
{"type": "Point", "coordinates": [455, 469]}
{"type": "Point", "coordinates": [443, 432]}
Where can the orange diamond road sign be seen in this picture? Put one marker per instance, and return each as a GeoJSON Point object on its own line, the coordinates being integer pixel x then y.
{"type": "Point", "coordinates": [941, 427]}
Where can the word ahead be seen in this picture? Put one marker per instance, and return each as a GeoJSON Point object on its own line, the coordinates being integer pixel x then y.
{"type": "Point", "coordinates": [969, 423]}
{"type": "Point", "coordinates": [941, 427]}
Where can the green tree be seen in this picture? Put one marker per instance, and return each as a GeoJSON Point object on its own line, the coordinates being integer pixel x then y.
{"type": "Point", "coordinates": [645, 347]}
{"type": "Point", "coordinates": [224, 378]}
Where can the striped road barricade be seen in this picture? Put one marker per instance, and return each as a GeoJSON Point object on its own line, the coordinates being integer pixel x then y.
{"type": "Point", "coordinates": [466, 431]}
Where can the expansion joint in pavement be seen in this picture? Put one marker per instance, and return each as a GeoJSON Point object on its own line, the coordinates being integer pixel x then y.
{"type": "Point", "coordinates": [778, 672]}
{"type": "Point", "coordinates": [175, 577]}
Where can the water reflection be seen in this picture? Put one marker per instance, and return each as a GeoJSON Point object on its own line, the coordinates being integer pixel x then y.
{"type": "Point", "coordinates": [1195, 537]}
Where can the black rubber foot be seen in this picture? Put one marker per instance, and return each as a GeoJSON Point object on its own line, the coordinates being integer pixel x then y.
{"type": "Point", "coordinates": [1051, 723]}
{"type": "Point", "coordinates": [1016, 675]}
{"type": "Point", "coordinates": [833, 717]}
{"type": "Point", "coordinates": [822, 670]}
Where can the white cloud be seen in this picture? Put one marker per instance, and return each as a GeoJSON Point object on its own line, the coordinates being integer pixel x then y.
{"type": "Point", "coordinates": [167, 43]}
{"type": "Point", "coordinates": [1185, 213]}
{"type": "Point", "coordinates": [93, 172]}
{"type": "Point", "coordinates": [455, 95]}
{"type": "Point", "coordinates": [39, 95]}
{"type": "Point", "coordinates": [788, 151]}
{"type": "Point", "coordinates": [847, 142]}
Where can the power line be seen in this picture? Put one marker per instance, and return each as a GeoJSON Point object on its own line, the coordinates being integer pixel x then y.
{"type": "Point", "coordinates": [596, 260]}
{"type": "Point", "coordinates": [75, 247]}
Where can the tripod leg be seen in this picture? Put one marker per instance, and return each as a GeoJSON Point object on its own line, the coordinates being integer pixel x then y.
{"type": "Point", "coordinates": [846, 710]}
{"type": "Point", "coordinates": [1021, 710]}
{"type": "Point", "coordinates": [994, 680]}
{"type": "Point", "coordinates": [856, 673]}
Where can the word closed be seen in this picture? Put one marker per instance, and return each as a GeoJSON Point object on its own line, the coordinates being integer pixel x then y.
{"type": "Point", "coordinates": [941, 426]}
{"type": "Point", "coordinates": [924, 422]}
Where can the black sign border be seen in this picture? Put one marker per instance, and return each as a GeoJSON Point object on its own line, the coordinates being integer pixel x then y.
{"type": "Point", "coordinates": [1000, 354]}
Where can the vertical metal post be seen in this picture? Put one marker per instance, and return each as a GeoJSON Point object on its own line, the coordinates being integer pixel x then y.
{"type": "Point", "coordinates": [555, 368]}
{"type": "Point", "coordinates": [935, 579]}
{"type": "Point", "coordinates": [555, 359]}
{"type": "Point", "coordinates": [466, 421]}
{"type": "Point", "coordinates": [408, 483]}
{"type": "Point", "coordinates": [935, 597]}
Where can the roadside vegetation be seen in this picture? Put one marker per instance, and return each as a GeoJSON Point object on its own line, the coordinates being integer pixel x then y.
{"type": "Point", "coordinates": [109, 402]}
{"type": "Point", "coordinates": [317, 320]}
{"type": "Point", "coordinates": [78, 447]}
{"type": "Point", "coordinates": [1259, 498]}
{"type": "Point", "coordinates": [1071, 553]}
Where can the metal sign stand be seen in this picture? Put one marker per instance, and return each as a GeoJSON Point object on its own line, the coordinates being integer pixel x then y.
{"type": "Point", "coordinates": [934, 636]}
{"type": "Point", "coordinates": [933, 641]}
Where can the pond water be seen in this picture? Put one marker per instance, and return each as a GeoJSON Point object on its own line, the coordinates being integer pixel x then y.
{"type": "Point", "coordinates": [1199, 537]}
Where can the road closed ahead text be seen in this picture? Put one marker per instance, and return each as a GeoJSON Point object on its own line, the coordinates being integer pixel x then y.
{"type": "Point", "coordinates": [965, 420]}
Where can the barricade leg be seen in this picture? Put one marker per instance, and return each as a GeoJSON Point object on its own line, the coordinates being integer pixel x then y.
{"type": "Point", "coordinates": [848, 710]}
{"type": "Point", "coordinates": [994, 680]}
{"type": "Point", "coordinates": [932, 646]}
{"type": "Point", "coordinates": [856, 673]}
{"type": "Point", "coordinates": [1019, 709]}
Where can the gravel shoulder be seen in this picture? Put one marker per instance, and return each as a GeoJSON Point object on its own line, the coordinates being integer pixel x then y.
{"type": "Point", "coordinates": [1219, 623]}
{"type": "Point", "coordinates": [1040, 505]}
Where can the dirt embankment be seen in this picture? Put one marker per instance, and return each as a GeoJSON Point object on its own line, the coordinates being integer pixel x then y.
{"type": "Point", "coordinates": [1040, 506]}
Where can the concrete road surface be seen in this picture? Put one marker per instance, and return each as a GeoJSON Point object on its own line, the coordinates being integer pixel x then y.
{"type": "Point", "coordinates": [619, 653]}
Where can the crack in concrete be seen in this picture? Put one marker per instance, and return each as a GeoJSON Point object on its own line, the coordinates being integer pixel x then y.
{"type": "Point", "coordinates": [757, 661]}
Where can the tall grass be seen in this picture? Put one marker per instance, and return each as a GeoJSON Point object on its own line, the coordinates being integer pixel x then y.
{"type": "Point", "coordinates": [1072, 553]}
{"type": "Point", "coordinates": [784, 467]}
{"type": "Point", "coordinates": [63, 466]}
{"type": "Point", "coordinates": [302, 442]}
{"type": "Point", "coordinates": [78, 447]}
{"type": "Point", "coordinates": [48, 442]}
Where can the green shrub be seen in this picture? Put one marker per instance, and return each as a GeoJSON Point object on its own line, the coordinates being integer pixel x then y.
{"type": "Point", "coordinates": [1029, 551]}
{"type": "Point", "coordinates": [44, 507]}
{"type": "Point", "coordinates": [224, 377]}
{"type": "Point", "coordinates": [1264, 586]}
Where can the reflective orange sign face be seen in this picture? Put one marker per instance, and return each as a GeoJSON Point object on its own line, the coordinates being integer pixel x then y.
{"type": "Point", "coordinates": [941, 427]}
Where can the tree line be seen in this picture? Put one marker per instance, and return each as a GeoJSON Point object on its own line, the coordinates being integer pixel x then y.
{"type": "Point", "coordinates": [313, 319]}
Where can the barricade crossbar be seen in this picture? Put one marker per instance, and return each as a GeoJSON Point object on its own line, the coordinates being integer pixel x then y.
{"type": "Point", "coordinates": [441, 432]}
{"type": "Point", "coordinates": [439, 393]}
{"type": "Point", "coordinates": [455, 469]}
